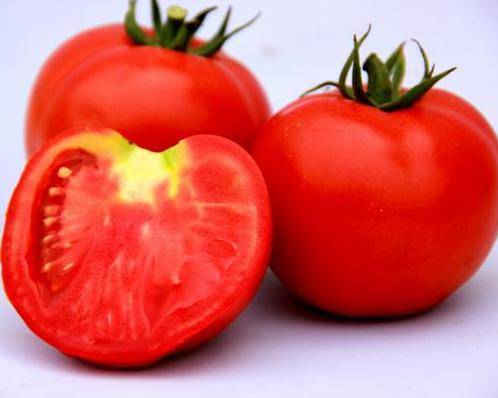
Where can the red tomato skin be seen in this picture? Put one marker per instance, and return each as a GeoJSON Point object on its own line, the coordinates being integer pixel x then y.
{"type": "Point", "coordinates": [154, 96]}
{"type": "Point", "coordinates": [379, 214]}
{"type": "Point", "coordinates": [24, 294]}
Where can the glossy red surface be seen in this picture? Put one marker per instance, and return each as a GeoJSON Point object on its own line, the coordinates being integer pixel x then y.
{"type": "Point", "coordinates": [379, 214]}
{"type": "Point", "coordinates": [153, 96]}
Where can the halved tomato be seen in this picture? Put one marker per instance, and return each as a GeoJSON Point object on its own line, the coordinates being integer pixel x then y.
{"type": "Point", "coordinates": [120, 256]}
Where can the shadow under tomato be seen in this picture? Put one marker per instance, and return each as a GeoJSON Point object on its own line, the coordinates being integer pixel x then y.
{"type": "Point", "coordinates": [226, 351]}
{"type": "Point", "coordinates": [18, 343]}
{"type": "Point", "coordinates": [274, 316]}
{"type": "Point", "coordinates": [188, 362]}
{"type": "Point", "coordinates": [284, 304]}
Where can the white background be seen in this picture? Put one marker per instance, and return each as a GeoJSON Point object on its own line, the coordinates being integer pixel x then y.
{"type": "Point", "coordinates": [277, 348]}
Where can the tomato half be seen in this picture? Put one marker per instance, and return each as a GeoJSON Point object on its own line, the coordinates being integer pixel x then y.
{"type": "Point", "coordinates": [154, 96]}
{"type": "Point", "coordinates": [379, 213]}
{"type": "Point", "coordinates": [120, 256]}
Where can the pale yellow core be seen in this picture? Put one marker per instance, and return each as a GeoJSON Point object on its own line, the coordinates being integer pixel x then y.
{"type": "Point", "coordinates": [139, 175]}
{"type": "Point", "coordinates": [138, 171]}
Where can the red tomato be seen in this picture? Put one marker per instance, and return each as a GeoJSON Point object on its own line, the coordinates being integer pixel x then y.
{"type": "Point", "coordinates": [154, 96]}
{"type": "Point", "coordinates": [377, 213]}
{"type": "Point", "coordinates": [120, 256]}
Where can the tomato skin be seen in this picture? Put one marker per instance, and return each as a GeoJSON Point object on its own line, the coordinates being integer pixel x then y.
{"type": "Point", "coordinates": [185, 328]}
{"type": "Point", "coordinates": [379, 214]}
{"type": "Point", "coordinates": [153, 96]}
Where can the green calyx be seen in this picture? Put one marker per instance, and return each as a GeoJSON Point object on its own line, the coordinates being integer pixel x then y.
{"type": "Point", "coordinates": [383, 89]}
{"type": "Point", "coordinates": [176, 32]}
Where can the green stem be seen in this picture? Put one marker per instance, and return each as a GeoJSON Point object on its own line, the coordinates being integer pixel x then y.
{"type": "Point", "coordinates": [213, 46]}
{"type": "Point", "coordinates": [318, 87]}
{"type": "Point", "coordinates": [224, 25]}
{"type": "Point", "coordinates": [174, 21]}
{"type": "Point", "coordinates": [384, 79]}
{"type": "Point", "coordinates": [358, 90]}
{"type": "Point", "coordinates": [182, 39]}
{"type": "Point", "coordinates": [135, 32]}
{"type": "Point", "coordinates": [176, 33]}
{"type": "Point", "coordinates": [188, 30]}
{"type": "Point", "coordinates": [347, 91]}
{"type": "Point", "coordinates": [396, 65]}
{"type": "Point", "coordinates": [379, 82]}
{"type": "Point", "coordinates": [156, 16]}
{"type": "Point", "coordinates": [415, 93]}
{"type": "Point", "coordinates": [428, 71]}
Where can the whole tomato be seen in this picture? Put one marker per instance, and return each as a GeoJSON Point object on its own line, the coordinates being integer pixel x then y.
{"type": "Point", "coordinates": [385, 200]}
{"type": "Point", "coordinates": [155, 87]}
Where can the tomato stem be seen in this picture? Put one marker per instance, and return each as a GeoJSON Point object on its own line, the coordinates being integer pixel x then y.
{"type": "Point", "coordinates": [396, 65]}
{"type": "Point", "coordinates": [135, 32]}
{"type": "Point", "coordinates": [174, 21]}
{"type": "Point", "coordinates": [358, 90]}
{"type": "Point", "coordinates": [379, 82]}
{"type": "Point", "coordinates": [384, 78]}
{"type": "Point", "coordinates": [214, 45]}
{"type": "Point", "coordinates": [343, 88]}
{"type": "Point", "coordinates": [415, 93]}
{"type": "Point", "coordinates": [176, 33]}
{"type": "Point", "coordinates": [156, 16]}
{"type": "Point", "coordinates": [188, 29]}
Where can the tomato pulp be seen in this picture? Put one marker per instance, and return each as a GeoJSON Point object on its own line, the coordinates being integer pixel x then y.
{"type": "Point", "coordinates": [120, 256]}
{"type": "Point", "coordinates": [379, 213]}
{"type": "Point", "coordinates": [152, 95]}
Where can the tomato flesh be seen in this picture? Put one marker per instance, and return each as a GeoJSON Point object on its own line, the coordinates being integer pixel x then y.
{"type": "Point", "coordinates": [133, 253]}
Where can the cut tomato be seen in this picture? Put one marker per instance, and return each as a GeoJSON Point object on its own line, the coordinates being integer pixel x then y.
{"type": "Point", "coordinates": [120, 256]}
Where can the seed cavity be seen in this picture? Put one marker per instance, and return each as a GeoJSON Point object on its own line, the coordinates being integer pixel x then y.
{"type": "Point", "coordinates": [64, 172]}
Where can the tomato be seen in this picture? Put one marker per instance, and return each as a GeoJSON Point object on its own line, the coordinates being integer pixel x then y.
{"type": "Point", "coordinates": [119, 256]}
{"type": "Point", "coordinates": [153, 95]}
{"type": "Point", "coordinates": [379, 213]}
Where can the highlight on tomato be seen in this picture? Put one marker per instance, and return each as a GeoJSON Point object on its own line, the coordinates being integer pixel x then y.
{"type": "Point", "coordinates": [385, 199]}
{"type": "Point", "coordinates": [155, 86]}
{"type": "Point", "coordinates": [119, 256]}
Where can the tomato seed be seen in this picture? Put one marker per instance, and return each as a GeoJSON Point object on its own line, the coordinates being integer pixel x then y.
{"type": "Point", "coordinates": [61, 245]}
{"type": "Point", "coordinates": [47, 267]}
{"type": "Point", "coordinates": [55, 191]}
{"type": "Point", "coordinates": [64, 172]}
{"type": "Point", "coordinates": [50, 210]}
{"type": "Point", "coordinates": [67, 267]}
{"type": "Point", "coordinates": [49, 238]}
{"type": "Point", "coordinates": [49, 221]}
{"type": "Point", "coordinates": [175, 280]}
